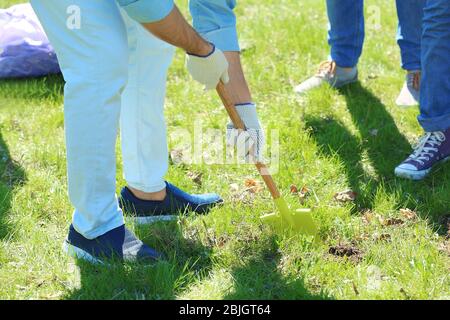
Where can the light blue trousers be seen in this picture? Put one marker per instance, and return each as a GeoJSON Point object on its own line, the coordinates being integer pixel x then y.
{"type": "Point", "coordinates": [115, 71]}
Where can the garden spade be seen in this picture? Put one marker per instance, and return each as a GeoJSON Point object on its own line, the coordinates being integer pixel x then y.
{"type": "Point", "coordinates": [300, 220]}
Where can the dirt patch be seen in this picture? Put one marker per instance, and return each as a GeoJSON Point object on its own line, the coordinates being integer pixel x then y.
{"type": "Point", "coordinates": [444, 222]}
{"type": "Point", "coordinates": [349, 251]}
{"type": "Point", "coordinates": [444, 247]}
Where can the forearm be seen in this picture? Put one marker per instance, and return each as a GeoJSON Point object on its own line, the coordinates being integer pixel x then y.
{"type": "Point", "coordinates": [175, 30]}
{"type": "Point", "coordinates": [215, 21]}
{"type": "Point", "coordinates": [237, 88]}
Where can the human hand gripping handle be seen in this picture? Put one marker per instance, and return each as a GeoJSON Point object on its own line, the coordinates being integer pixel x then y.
{"type": "Point", "coordinates": [209, 69]}
{"type": "Point", "coordinates": [239, 124]}
{"type": "Point", "coordinates": [250, 142]}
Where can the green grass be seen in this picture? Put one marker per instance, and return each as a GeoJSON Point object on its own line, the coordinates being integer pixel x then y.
{"type": "Point", "coordinates": [326, 143]}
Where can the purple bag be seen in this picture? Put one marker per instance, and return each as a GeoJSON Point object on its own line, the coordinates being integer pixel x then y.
{"type": "Point", "coordinates": [24, 48]}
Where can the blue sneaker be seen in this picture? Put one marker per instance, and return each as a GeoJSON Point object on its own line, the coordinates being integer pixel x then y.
{"type": "Point", "coordinates": [119, 243]}
{"type": "Point", "coordinates": [433, 148]}
{"type": "Point", "coordinates": [176, 201]}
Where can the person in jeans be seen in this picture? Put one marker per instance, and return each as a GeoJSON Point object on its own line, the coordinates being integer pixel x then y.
{"type": "Point", "coordinates": [346, 38]}
{"type": "Point", "coordinates": [115, 71]}
{"type": "Point", "coordinates": [434, 146]}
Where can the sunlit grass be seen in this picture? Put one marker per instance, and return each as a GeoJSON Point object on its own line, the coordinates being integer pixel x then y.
{"type": "Point", "coordinates": [327, 144]}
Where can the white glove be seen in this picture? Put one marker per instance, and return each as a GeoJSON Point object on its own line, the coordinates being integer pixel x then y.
{"type": "Point", "coordinates": [208, 70]}
{"type": "Point", "coordinates": [250, 143]}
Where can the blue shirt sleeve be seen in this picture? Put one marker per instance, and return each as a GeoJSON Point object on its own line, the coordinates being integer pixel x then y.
{"type": "Point", "coordinates": [146, 11]}
{"type": "Point", "coordinates": [216, 21]}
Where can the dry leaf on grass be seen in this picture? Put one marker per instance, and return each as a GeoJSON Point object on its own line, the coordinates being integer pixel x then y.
{"type": "Point", "coordinates": [408, 214]}
{"type": "Point", "coordinates": [390, 221]}
{"type": "Point", "coordinates": [302, 193]}
{"type": "Point", "coordinates": [253, 186]}
{"type": "Point", "coordinates": [362, 237]}
{"type": "Point", "coordinates": [368, 216]}
{"type": "Point", "coordinates": [250, 183]}
{"type": "Point", "coordinates": [247, 194]}
{"type": "Point", "coordinates": [345, 196]}
{"type": "Point", "coordinates": [177, 156]}
{"type": "Point", "coordinates": [382, 237]}
{"type": "Point", "coordinates": [294, 189]}
{"type": "Point", "coordinates": [196, 177]}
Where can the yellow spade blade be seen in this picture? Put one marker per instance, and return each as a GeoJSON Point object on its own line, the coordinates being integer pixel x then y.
{"type": "Point", "coordinates": [299, 221]}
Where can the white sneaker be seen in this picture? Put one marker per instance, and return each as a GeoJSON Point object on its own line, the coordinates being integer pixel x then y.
{"type": "Point", "coordinates": [329, 72]}
{"type": "Point", "coordinates": [410, 94]}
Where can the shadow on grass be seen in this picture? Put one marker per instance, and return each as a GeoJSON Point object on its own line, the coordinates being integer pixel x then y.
{"type": "Point", "coordinates": [187, 261]}
{"type": "Point", "coordinates": [12, 175]}
{"type": "Point", "coordinates": [260, 279]}
{"type": "Point", "coordinates": [190, 263]}
{"type": "Point", "coordinates": [384, 146]}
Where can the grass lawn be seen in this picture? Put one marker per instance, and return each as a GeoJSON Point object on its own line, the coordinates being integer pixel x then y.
{"type": "Point", "coordinates": [330, 141]}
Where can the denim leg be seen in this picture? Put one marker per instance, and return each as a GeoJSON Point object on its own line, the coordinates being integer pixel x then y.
{"type": "Point", "coordinates": [93, 59]}
{"type": "Point", "coordinates": [435, 87]}
{"type": "Point", "coordinates": [409, 33]}
{"type": "Point", "coordinates": [346, 32]}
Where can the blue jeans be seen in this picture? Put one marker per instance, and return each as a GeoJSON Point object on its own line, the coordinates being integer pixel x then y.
{"type": "Point", "coordinates": [410, 15]}
{"type": "Point", "coordinates": [346, 33]}
{"type": "Point", "coordinates": [435, 87]}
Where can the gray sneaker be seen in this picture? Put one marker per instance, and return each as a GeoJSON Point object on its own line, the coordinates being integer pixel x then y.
{"type": "Point", "coordinates": [329, 72]}
{"type": "Point", "coordinates": [410, 94]}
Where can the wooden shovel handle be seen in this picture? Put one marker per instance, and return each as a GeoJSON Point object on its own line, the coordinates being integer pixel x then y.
{"type": "Point", "coordinates": [239, 124]}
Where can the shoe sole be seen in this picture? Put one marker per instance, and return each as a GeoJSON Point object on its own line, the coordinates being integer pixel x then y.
{"type": "Point", "coordinates": [332, 85]}
{"type": "Point", "coordinates": [143, 220]}
{"type": "Point", "coordinates": [399, 103]}
{"type": "Point", "coordinates": [416, 175]}
{"type": "Point", "coordinates": [78, 253]}
{"type": "Point", "coordinates": [405, 106]}
{"type": "Point", "coordinates": [153, 219]}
